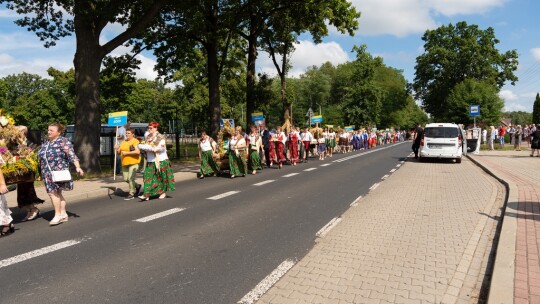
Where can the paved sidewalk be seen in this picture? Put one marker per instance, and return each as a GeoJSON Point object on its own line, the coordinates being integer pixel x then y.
{"type": "Point", "coordinates": [424, 235]}
{"type": "Point", "coordinates": [517, 269]}
{"type": "Point", "coordinates": [102, 187]}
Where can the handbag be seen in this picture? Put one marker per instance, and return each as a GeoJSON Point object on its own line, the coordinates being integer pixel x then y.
{"type": "Point", "coordinates": [61, 176]}
{"type": "Point", "coordinates": [58, 176]}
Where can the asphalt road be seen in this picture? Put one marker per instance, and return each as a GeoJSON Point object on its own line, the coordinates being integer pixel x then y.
{"type": "Point", "coordinates": [204, 251]}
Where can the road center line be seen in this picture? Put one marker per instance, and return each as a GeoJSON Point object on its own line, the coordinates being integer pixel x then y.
{"type": "Point", "coordinates": [324, 230]}
{"type": "Point", "coordinates": [291, 174]}
{"type": "Point", "coordinates": [222, 195]}
{"type": "Point", "coordinates": [310, 169]}
{"type": "Point", "coordinates": [267, 282]}
{"type": "Point", "coordinates": [159, 215]}
{"type": "Point", "coordinates": [32, 254]}
{"type": "Point", "coordinates": [324, 165]}
{"type": "Point", "coordinates": [264, 183]}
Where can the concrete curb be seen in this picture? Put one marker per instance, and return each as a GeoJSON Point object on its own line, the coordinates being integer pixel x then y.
{"type": "Point", "coordinates": [501, 289]}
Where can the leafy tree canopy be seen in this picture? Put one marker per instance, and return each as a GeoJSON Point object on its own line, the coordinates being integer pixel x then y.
{"type": "Point", "coordinates": [454, 53]}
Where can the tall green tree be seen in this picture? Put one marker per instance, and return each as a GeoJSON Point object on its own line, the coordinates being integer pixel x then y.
{"type": "Point", "coordinates": [474, 92]}
{"type": "Point", "coordinates": [536, 110]}
{"type": "Point", "coordinates": [191, 28]}
{"type": "Point", "coordinates": [52, 20]}
{"type": "Point", "coordinates": [454, 53]}
{"type": "Point", "coordinates": [363, 100]}
{"type": "Point", "coordinates": [312, 17]}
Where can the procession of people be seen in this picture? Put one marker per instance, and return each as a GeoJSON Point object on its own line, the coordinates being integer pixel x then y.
{"type": "Point", "coordinates": [244, 153]}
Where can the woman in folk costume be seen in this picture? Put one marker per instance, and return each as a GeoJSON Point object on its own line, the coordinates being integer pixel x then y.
{"type": "Point", "coordinates": [331, 142]}
{"type": "Point", "coordinates": [255, 145]}
{"type": "Point", "coordinates": [292, 144]}
{"type": "Point", "coordinates": [237, 154]}
{"type": "Point", "coordinates": [280, 147]}
{"type": "Point", "coordinates": [207, 146]}
{"type": "Point", "coordinates": [158, 175]}
{"type": "Point", "coordinates": [306, 138]}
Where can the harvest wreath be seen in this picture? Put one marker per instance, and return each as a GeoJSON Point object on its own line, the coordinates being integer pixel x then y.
{"type": "Point", "coordinates": [19, 162]}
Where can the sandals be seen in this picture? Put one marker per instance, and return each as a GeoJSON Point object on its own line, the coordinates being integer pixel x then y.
{"type": "Point", "coordinates": [7, 230]}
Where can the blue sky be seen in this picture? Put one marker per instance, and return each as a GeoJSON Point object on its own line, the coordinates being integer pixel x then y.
{"type": "Point", "coordinates": [391, 29]}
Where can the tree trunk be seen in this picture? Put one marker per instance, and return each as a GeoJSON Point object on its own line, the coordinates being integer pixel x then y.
{"type": "Point", "coordinates": [213, 88]}
{"type": "Point", "coordinates": [87, 63]}
{"type": "Point", "coordinates": [250, 77]}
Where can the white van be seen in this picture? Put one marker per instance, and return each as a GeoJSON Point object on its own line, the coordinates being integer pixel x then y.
{"type": "Point", "coordinates": [442, 140]}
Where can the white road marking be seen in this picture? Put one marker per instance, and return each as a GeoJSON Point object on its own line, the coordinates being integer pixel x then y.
{"type": "Point", "coordinates": [402, 161]}
{"type": "Point", "coordinates": [222, 195]}
{"type": "Point", "coordinates": [398, 165]}
{"type": "Point", "coordinates": [264, 183]}
{"type": "Point", "coordinates": [355, 202]}
{"type": "Point", "coordinates": [324, 230]}
{"type": "Point", "coordinates": [32, 254]}
{"type": "Point", "coordinates": [385, 177]}
{"type": "Point", "coordinates": [310, 169]}
{"type": "Point", "coordinates": [324, 165]}
{"type": "Point", "coordinates": [364, 153]}
{"type": "Point", "coordinates": [159, 215]}
{"type": "Point", "coordinates": [393, 170]}
{"type": "Point", "coordinates": [374, 186]}
{"type": "Point", "coordinates": [267, 282]}
{"type": "Point", "coordinates": [291, 174]}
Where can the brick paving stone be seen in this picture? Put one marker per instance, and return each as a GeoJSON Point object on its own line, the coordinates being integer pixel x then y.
{"type": "Point", "coordinates": [444, 220]}
{"type": "Point", "coordinates": [521, 173]}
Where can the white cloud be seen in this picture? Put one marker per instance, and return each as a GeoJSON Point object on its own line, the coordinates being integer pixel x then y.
{"type": "Point", "coordinates": [404, 17]}
{"type": "Point", "coordinates": [514, 107]}
{"type": "Point", "coordinates": [536, 54]}
{"type": "Point", "coordinates": [508, 95]}
{"type": "Point", "coordinates": [306, 54]}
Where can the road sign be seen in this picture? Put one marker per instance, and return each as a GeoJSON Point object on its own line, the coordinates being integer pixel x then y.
{"type": "Point", "coordinates": [316, 119]}
{"type": "Point", "coordinates": [474, 110]}
{"type": "Point", "coordinates": [117, 119]}
{"type": "Point", "coordinates": [309, 112]}
{"type": "Point", "coordinates": [257, 116]}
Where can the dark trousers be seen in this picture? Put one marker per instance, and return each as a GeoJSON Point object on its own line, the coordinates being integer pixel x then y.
{"type": "Point", "coordinates": [415, 148]}
{"type": "Point", "coordinates": [267, 156]}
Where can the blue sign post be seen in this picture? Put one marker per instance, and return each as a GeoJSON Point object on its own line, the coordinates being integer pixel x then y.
{"type": "Point", "coordinates": [117, 119]}
{"type": "Point", "coordinates": [474, 110]}
{"type": "Point", "coordinates": [316, 119]}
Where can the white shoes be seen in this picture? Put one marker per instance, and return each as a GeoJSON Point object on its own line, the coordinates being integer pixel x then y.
{"type": "Point", "coordinates": [57, 220]}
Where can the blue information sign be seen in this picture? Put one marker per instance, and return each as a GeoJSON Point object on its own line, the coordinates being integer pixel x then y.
{"type": "Point", "coordinates": [316, 119]}
{"type": "Point", "coordinates": [474, 110]}
{"type": "Point", "coordinates": [117, 119]}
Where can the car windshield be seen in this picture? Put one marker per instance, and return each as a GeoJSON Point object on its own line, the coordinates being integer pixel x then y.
{"type": "Point", "coordinates": [441, 132]}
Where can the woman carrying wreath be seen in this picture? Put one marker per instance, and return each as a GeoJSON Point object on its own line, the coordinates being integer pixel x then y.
{"type": "Point", "coordinates": [237, 153]}
{"type": "Point", "coordinates": [207, 146]}
{"type": "Point", "coordinates": [255, 145]}
{"type": "Point", "coordinates": [158, 175]}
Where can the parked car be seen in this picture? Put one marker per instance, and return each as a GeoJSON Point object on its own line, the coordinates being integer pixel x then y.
{"type": "Point", "coordinates": [442, 140]}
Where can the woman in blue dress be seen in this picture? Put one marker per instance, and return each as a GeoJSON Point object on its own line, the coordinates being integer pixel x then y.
{"type": "Point", "coordinates": [56, 155]}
